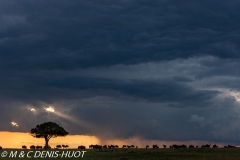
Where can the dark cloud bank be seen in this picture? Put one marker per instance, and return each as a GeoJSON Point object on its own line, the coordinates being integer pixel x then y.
{"type": "Point", "coordinates": [165, 70]}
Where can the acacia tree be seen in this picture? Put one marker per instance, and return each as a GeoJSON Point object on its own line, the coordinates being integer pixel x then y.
{"type": "Point", "coordinates": [48, 130]}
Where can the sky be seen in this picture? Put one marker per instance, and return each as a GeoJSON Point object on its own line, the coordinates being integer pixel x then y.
{"type": "Point", "coordinates": [154, 70]}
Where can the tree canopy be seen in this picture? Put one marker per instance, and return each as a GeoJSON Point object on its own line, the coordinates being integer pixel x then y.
{"type": "Point", "coordinates": [48, 130]}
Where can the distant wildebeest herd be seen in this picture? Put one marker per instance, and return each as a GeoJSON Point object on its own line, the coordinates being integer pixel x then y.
{"type": "Point", "coordinates": [175, 146]}
{"type": "Point", "coordinates": [190, 146]}
{"type": "Point", "coordinates": [40, 147]}
{"type": "Point", "coordinates": [104, 147]}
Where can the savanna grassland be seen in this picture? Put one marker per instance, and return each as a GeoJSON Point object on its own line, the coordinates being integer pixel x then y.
{"type": "Point", "coordinates": [144, 154]}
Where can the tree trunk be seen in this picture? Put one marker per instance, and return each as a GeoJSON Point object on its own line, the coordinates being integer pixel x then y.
{"type": "Point", "coordinates": [46, 142]}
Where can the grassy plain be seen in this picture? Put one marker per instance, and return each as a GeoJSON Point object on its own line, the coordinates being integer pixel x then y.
{"type": "Point", "coordinates": [142, 154]}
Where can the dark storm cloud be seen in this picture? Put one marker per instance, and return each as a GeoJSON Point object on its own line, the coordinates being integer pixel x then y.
{"type": "Point", "coordinates": [154, 68]}
{"type": "Point", "coordinates": [29, 87]}
{"type": "Point", "coordinates": [166, 91]}
{"type": "Point", "coordinates": [69, 35]}
{"type": "Point", "coordinates": [159, 122]}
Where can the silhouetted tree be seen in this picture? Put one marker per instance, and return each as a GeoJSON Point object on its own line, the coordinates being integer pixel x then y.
{"type": "Point", "coordinates": [48, 130]}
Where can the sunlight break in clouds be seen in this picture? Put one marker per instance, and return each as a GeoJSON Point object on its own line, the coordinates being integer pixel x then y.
{"type": "Point", "coordinates": [14, 124]}
{"type": "Point", "coordinates": [70, 118]}
{"type": "Point", "coordinates": [50, 109]}
{"type": "Point", "coordinates": [32, 109]}
{"type": "Point", "coordinates": [227, 92]}
{"type": "Point", "coordinates": [236, 95]}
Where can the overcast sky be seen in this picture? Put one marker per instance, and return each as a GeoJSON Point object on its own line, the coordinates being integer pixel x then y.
{"type": "Point", "coordinates": [159, 69]}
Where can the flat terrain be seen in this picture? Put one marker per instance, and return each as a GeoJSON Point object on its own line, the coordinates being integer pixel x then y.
{"type": "Point", "coordinates": [132, 154]}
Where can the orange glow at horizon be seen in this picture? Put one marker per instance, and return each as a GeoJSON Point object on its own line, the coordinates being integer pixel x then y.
{"type": "Point", "coordinates": [18, 139]}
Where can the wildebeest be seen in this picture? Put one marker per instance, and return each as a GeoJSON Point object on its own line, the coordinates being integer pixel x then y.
{"type": "Point", "coordinates": [112, 146]}
{"type": "Point", "coordinates": [132, 146]}
{"type": "Point", "coordinates": [215, 146]}
{"type": "Point", "coordinates": [178, 146]}
{"type": "Point", "coordinates": [206, 146]}
{"type": "Point", "coordinates": [147, 146]}
{"type": "Point", "coordinates": [183, 146]}
{"type": "Point", "coordinates": [47, 147]}
{"type": "Point", "coordinates": [191, 146]}
{"type": "Point", "coordinates": [97, 147]}
{"type": "Point", "coordinates": [65, 146]}
{"type": "Point", "coordinates": [105, 146]}
{"type": "Point", "coordinates": [58, 146]}
{"type": "Point", "coordinates": [229, 146]}
{"type": "Point", "coordinates": [91, 146]}
{"type": "Point", "coordinates": [175, 146]}
{"type": "Point", "coordinates": [24, 147]}
{"type": "Point", "coordinates": [124, 146]}
{"type": "Point", "coordinates": [155, 146]}
{"type": "Point", "coordinates": [82, 147]}
{"type": "Point", "coordinates": [164, 146]}
{"type": "Point", "coordinates": [32, 147]}
{"type": "Point", "coordinates": [38, 147]}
